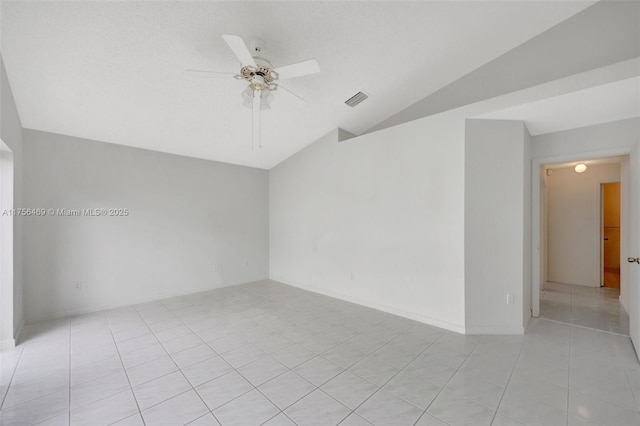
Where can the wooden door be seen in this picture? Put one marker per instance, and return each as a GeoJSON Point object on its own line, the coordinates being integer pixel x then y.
{"type": "Point", "coordinates": [611, 234]}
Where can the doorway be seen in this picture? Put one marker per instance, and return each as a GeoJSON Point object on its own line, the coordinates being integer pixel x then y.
{"type": "Point", "coordinates": [610, 232]}
{"type": "Point", "coordinates": [577, 244]}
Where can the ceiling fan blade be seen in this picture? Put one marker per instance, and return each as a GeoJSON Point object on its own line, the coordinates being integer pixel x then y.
{"type": "Point", "coordinates": [290, 97]}
{"type": "Point", "coordinates": [300, 69]}
{"type": "Point", "coordinates": [255, 130]}
{"type": "Point", "coordinates": [209, 74]}
{"type": "Point", "coordinates": [239, 49]}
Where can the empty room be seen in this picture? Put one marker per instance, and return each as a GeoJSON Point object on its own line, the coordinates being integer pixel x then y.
{"type": "Point", "coordinates": [281, 213]}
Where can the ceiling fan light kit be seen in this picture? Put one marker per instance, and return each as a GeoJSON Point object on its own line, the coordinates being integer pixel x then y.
{"type": "Point", "coordinates": [262, 77]}
{"type": "Point", "coordinates": [266, 98]}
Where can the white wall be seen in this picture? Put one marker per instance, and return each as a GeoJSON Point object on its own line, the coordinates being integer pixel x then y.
{"type": "Point", "coordinates": [377, 219]}
{"type": "Point", "coordinates": [634, 247]}
{"type": "Point", "coordinates": [526, 229]}
{"type": "Point", "coordinates": [497, 226]}
{"type": "Point", "coordinates": [617, 137]}
{"type": "Point", "coordinates": [6, 248]}
{"type": "Point", "coordinates": [414, 220]}
{"type": "Point", "coordinates": [186, 215]}
{"type": "Point", "coordinates": [12, 282]}
{"type": "Point", "coordinates": [625, 230]}
{"type": "Point", "coordinates": [574, 223]}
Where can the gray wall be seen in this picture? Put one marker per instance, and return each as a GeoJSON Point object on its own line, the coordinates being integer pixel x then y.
{"type": "Point", "coordinates": [11, 135]}
{"type": "Point", "coordinates": [193, 225]}
{"type": "Point", "coordinates": [497, 226]}
{"type": "Point", "coordinates": [619, 135]}
{"type": "Point", "coordinates": [526, 229]}
{"type": "Point", "coordinates": [376, 220]}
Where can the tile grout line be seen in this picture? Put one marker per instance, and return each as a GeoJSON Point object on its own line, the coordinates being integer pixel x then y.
{"type": "Point", "coordinates": [44, 396]}
{"type": "Point", "coordinates": [51, 393]}
{"type": "Point", "coordinates": [180, 369]}
{"type": "Point", "coordinates": [70, 355]}
{"type": "Point", "coordinates": [253, 343]}
{"type": "Point", "coordinates": [290, 369]}
{"type": "Point", "coordinates": [241, 375]}
{"type": "Point", "coordinates": [598, 300]}
{"type": "Point", "coordinates": [633, 392]}
{"type": "Point", "coordinates": [569, 374]}
{"type": "Point", "coordinates": [403, 333]}
{"type": "Point", "coordinates": [319, 388]}
{"type": "Point", "coordinates": [125, 373]}
{"type": "Point", "coordinates": [506, 386]}
{"type": "Point", "coordinates": [379, 323]}
{"type": "Point", "coordinates": [216, 354]}
{"type": "Point", "coordinates": [174, 362]}
{"type": "Point", "coordinates": [583, 327]}
{"type": "Point", "coordinates": [393, 376]}
{"type": "Point", "coordinates": [13, 373]}
{"type": "Point", "coordinates": [368, 356]}
{"type": "Point", "coordinates": [215, 378]}
{"type": "Point", "coordinates": [445, 385]}
{"type": "Point", "coordinates": [316, 355]}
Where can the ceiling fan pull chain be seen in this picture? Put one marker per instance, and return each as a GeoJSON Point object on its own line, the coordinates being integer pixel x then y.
{"type": "Point", "coordinates": [257, 95]}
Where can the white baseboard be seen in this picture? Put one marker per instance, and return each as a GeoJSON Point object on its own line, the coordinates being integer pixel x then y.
{"type": "Point", "coordinates": [19, 332]}
{"type": "Point", "coordinates": [126, 302]}
{"type": "Point", "coordinates": [7, 344]}
{"type": "Point", "coordinates": [380, 307]}
{"type": "Point", "coordinates": [526, 326]}
{"type": "Point", "coordinates": [494, 330]}
{"type": "Point", "coordinates": [622, 304]}
{"type": "Point", "coordinates": [11, 343]}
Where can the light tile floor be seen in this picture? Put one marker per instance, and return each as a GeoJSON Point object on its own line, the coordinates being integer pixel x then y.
{"type": "Point", "coordinates": [270, 354]}
{"type": "Point", "coordinates": [592, 307]}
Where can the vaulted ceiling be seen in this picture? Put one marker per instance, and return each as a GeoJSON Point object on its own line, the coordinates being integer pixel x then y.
{"type": "Point", "coordinates": [604, 103]}
{"type": "Point", "coordinates": [115, 71]}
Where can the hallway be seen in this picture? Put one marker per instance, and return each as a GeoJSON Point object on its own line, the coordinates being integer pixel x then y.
{"type": "Point", "coordinates": [591, 307]}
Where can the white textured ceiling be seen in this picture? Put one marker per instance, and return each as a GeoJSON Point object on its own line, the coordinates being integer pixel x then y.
{"type": "Point", "coordinates": [114, 71]}
{"type": "Point", "coordinates": [600, 104]}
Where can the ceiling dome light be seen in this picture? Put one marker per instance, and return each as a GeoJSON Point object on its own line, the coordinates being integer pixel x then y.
{"type": "Point", "coordinates": [580, 168]}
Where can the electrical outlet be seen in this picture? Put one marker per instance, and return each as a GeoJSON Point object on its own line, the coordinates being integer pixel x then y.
{"type": "Point", "coordinates": [78, 285]}
{"type": "Point", "coordinates": [353, 276]}
{"type": "Point", "coordinates": [511, 298]}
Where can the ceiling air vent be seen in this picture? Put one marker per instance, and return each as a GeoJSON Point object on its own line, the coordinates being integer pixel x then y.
{"type": "Point", "coordinates": [356, 99]}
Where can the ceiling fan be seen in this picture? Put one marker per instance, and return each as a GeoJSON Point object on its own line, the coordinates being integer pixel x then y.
{"type": "Point", "coordinates": [263, 78]}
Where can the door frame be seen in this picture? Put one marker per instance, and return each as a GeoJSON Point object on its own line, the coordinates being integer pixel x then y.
{"type": "Point", "coordinates": [536, 202]}
{"type": "Point", "coordinates": [7, 338]}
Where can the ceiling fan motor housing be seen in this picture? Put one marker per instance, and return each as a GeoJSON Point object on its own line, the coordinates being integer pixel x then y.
{"type": "Point", "coordinates": [260, 77]}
